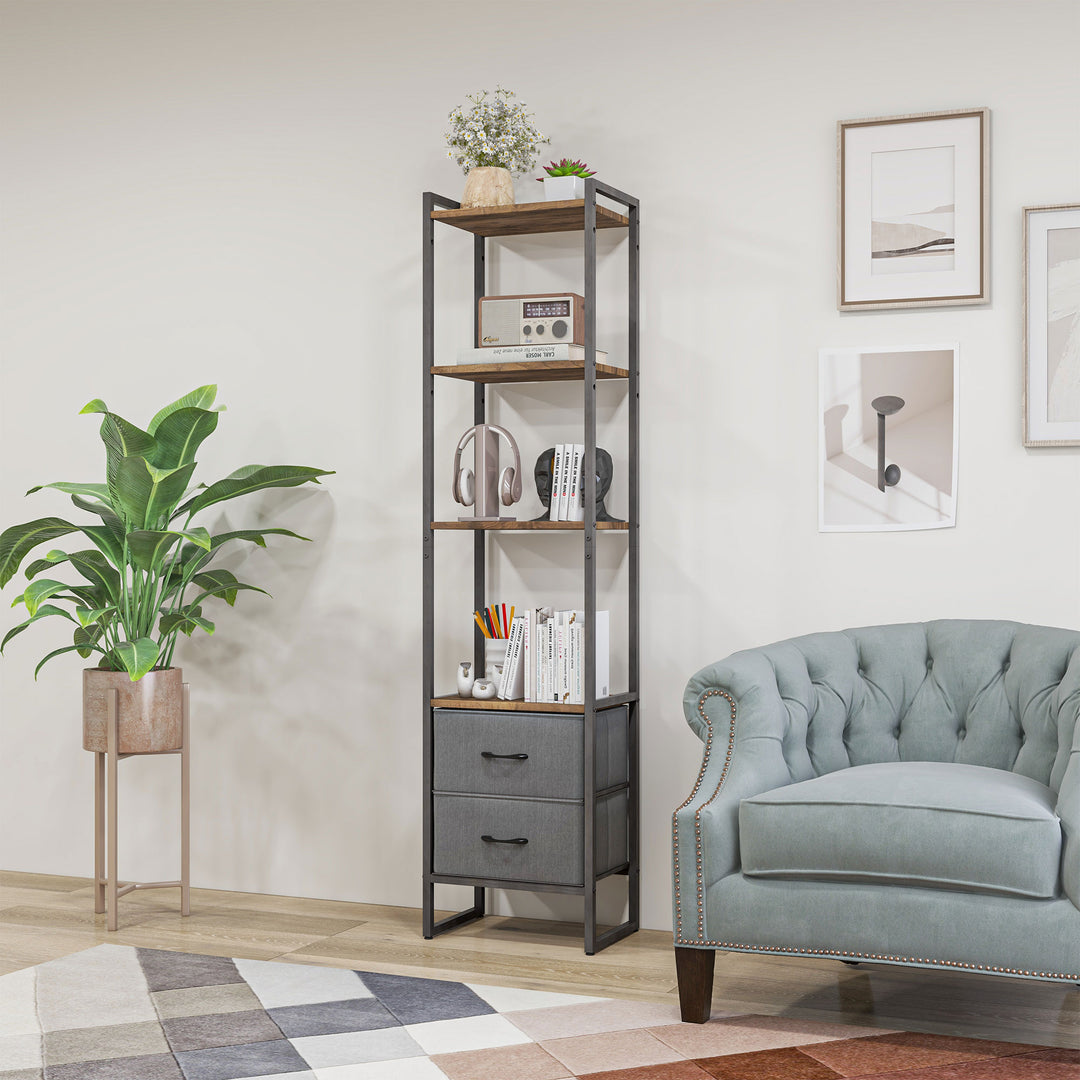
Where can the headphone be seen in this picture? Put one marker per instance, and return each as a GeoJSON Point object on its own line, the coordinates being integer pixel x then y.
{"type": "Point", "coordinates": [464, 488]}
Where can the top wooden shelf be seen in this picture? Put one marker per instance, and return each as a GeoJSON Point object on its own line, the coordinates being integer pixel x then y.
{"type": "Point", "coordinates": [524, 218]}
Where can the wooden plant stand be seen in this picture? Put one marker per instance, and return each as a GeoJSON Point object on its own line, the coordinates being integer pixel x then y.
{"type": "Point", "coordinates": [107, 887]}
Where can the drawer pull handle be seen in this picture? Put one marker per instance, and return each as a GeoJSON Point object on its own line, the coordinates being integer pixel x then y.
{"type": "Point", "coordinates": [494, 840]}
{"type": "Point", "coordinates": [509, 757]}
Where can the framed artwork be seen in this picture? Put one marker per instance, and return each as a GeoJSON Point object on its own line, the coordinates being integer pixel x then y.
{"type": "Point", "coordinates": [888, 442]}
{"type": "Point", "coordinates": [1052, 325]}
{"type": "Point", "coordinates": [914, 210]}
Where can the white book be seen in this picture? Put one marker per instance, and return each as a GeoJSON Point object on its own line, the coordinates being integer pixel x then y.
{"type": "Point", "coordinates": [575, 506]}
{"type": "Point", "coordinates": [513, 678]}
{"type": "Point", "coordinates": [564, 482]}
{"type": "Point", "coordinates": [577, 672]}
{"type": "Point", "coordinates": [562, 657]}
{"type": "Point", "coordinates": [516, 354]}
{"type": "Point", "coordinates": [528, 662]}
{"type": "Point", "coordinates": [551, 690]}
{"type": "Point", "coordinates": [557, 473]}
{"type": "Point", "coordinates": [603, 655]}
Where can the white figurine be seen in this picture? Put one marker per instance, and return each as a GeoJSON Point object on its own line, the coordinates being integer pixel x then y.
{"type": "Point", "coordinates": [465, 678]}
{"type": "Point", "coordinates": [484, 689]}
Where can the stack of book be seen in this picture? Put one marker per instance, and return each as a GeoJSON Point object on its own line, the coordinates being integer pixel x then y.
{"type": "Point", "coordinates": [515, 354]}
{"type": "Point", "coordinates": [568, 483]}
{"type": "Point", "coordinates": [545, 657]}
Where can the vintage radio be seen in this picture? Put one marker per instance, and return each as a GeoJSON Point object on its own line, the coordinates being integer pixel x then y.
{"type": "Point", "coordinates": [532, 320]}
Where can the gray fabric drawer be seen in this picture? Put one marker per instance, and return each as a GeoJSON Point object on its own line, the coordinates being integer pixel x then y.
{"type": "Point", "coordinates": [553, 742]}
{"type": "Point", "coordinates": [554, 854]}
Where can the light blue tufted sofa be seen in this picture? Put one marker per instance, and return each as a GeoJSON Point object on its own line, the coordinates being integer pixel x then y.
{"type": "Point", "coordinates": [903, 794]}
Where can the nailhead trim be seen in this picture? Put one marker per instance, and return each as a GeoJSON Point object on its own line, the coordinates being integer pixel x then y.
{"type": "Point", "coordinates": [928, 961]}
{"type": "Point", "coordinates": [784, 949]}
{"type": "Point", "coordinates": [697, 813]}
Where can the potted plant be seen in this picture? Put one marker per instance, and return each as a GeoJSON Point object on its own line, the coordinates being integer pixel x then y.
{"type": "Point", "coordinates": [565, 179]}
{"type": "Point", "coordinates": [493, 139]}
{"type": "Point", "coordinates": [148, 571]}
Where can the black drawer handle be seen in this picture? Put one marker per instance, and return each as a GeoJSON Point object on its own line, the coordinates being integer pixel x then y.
{"type": "Point", "coordinates": [493, 840]}
{"type": "Point", "coordinates": [509, 757]}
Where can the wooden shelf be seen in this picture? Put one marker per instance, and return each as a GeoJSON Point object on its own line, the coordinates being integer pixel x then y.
{"type": "Point", "coordinates": [527, 371]}
{"type": "Point", "coordinates": [525, 218]}
{"type": "Point", "coordinates": [455, 701]}
{"type": "Point", "coordinates": [530, 526]}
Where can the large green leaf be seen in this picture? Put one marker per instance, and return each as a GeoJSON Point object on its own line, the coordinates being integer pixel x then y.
{"type": "Point", "coordinates": [149, 496]}
{"type": "Point", "coordinates": [37, 592]}
{"type": "Point", "coordinates": [60, 652]}
{"type": "Point", "coordinates": [149, 547]}
{"type": "Point", "coordinates": [200, 398]}
{"type": "Point", "coordinates": [224, 580]}
{"type": "Point", "coordinates": [104, 511]}
{"type": "Point", "coordinates": [93, 566]}
{"type": "Point", "coordinates": [180, 434]}
{"type": "Point", "coordinates": [253, 535]}
{"type": "Point", "coordinates": [185, 623]}
{"type": "Point", "coordinates": [224, 589]}
{"type": "Point", "coordinates": [95, 491]}
{"type": "Point", "coordinates": [253, 478]}
{"type": "Point", "coordinates": [19, 540]}
{"type": "Point", "coordinates": [122, 440]}
{"type": "Point", "coordinates": [85, 638]}
{"type": "Point", "coordinates": [138, 657]}
{"type": "Point", "coordinates": [107, 542]}
{"type": "Point", "coordinates": [42, 612]}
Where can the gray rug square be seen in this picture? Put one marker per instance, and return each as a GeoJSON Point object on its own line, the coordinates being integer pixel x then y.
{"type": "Point", "coordinates": [204, 1000]}
{"type": "Point", "coordinates": [417, 1001]}
{"type": "Point", "coordinates": [154, 1067]}
{"type": "Point", "coordinates": [171, 971]}
{"type": "Point", "coordinates": [333, 1017]}
{"type": "Point", "coordinates": [225, 1029]}
{"type": "Point", "coordinates": [144, 1039]}
{"type": "Point", "coordinates": [236, 1062]}
{"type": "Point", "coordinates": [20, 1074]}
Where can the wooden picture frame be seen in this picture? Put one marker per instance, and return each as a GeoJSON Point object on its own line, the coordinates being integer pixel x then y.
{"type": "Point", "coordinates": [1051, 397]}
{"type": "Point", "coordinates": [914, 210]}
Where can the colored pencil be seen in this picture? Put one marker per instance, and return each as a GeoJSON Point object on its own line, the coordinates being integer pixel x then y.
{"type": "Point", "coordinates": [480, 623]}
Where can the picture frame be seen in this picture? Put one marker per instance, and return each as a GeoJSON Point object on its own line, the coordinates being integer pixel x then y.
{"type": "Point", "coordinates": [888, 437]}
{"type": "Point", "coordinates": [914, 210]}
{"type": "Point", "coordinates": [1051, 396]}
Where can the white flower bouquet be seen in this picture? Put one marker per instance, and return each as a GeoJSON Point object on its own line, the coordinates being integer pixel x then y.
{"type": "Point", "coordinates": [496, 131]}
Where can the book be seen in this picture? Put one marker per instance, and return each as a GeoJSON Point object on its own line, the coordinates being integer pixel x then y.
{"type": "Point", "coordinates": [527, 663]}
{"type": "Point", "coordinates": [575, 505]}
{"type": "Point", "coordinates": [516, 354]}
{"type": "Point", "coordinates": [511, 687]}
{"type": "Point", "coordinates": [557, 472]}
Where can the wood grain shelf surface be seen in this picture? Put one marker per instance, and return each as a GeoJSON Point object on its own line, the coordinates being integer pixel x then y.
{"type": "Point", "coordinates": [455, 701]}
{"type": "Point", "coordinates": [527, 371]}
{"type": "Point", "coordinates": [529, 526]}
{"type": "Point", "coordinates": [525, 218]}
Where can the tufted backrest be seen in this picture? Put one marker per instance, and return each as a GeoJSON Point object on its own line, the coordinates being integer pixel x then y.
{"type": "Point", "coordinates": [999, 694]}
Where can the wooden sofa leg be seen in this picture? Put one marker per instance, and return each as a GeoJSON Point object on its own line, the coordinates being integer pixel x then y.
{"type": "Point", "coordinates": [694, 969]}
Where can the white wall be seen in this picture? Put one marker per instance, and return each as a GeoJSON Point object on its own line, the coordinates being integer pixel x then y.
{"type": "Point", "coordinates": [198, 191]}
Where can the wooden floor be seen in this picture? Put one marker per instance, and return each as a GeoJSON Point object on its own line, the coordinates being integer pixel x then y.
{"type": "Point", "coordinates": [42, 918]}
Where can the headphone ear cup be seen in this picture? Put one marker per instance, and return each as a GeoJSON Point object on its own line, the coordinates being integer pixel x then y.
{"type": "Point", "coordinates": [466, 487]}
{"type": "Point", "coordinates": [506, 486]}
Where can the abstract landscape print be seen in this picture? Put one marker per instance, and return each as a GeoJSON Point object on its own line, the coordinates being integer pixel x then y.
{"type": "Point", "coordinates": [913, 210]}
{"type": "Point", "coordinates": [1052, 332]}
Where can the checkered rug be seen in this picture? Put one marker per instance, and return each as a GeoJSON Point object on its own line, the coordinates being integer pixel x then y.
{"type": "Point", "coordinates": [120, 1013]}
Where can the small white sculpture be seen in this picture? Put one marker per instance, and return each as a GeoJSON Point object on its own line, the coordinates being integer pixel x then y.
{"type": "Point", "coordinates": [465, 678]}
{"type": "Point", "coordinates": [484, 689]}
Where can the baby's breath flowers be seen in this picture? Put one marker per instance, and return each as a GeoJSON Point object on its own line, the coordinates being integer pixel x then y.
{"type": "Point", "coordinates": [496, 131]}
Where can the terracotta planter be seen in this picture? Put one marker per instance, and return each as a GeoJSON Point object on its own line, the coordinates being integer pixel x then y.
{"type": "Point", "coordinates": [488, 186]}
{"type": "Point", "coordinates": [150, 717]}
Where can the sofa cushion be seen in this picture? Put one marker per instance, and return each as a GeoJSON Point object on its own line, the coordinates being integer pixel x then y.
{"type": "Point", "coordinates": [923, 823]}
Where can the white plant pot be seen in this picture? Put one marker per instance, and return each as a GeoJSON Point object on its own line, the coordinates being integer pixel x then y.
{"type": "Point", "coordinates": [557, 188]}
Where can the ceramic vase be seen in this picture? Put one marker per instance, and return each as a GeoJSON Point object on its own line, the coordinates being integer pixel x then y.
{"type": "Point", "coordinates": [149, 711]}
{"type": "Point", "coordinates": [484, 689]}
{"type": "Point", "coordinates": [465, 678]}
{"type": "Point", "coordinates": [488, 186]}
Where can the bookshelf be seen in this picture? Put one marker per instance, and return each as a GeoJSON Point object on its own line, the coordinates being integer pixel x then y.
{"type": "Point", "coordinates": [588, 830]}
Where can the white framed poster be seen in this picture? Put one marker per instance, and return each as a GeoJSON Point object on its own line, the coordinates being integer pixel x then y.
{"type": "Point", "coordinates": [1052, 325]}
{"type": "Point", "coordinates": [914, 210]}
{"type": "Point", "coordinates": [888, 438]}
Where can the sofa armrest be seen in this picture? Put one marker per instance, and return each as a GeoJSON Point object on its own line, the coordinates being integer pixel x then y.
{"type": "Point", "coordinates": [736, 709]}
{"type": "Point", "coordinates": [1068, 810]}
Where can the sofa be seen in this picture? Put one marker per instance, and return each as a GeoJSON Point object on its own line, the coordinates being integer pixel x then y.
{"type": "Point", "coordinates": [905, 794]}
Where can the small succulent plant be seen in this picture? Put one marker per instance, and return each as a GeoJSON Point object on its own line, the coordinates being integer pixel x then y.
{"type": "Point", "coordinates": [566, 167]}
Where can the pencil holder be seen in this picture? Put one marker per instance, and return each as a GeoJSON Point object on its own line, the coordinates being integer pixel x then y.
{"type": "Point", "coordinates": [494, 657]}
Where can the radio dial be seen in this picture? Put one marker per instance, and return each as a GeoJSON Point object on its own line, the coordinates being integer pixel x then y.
{"type": "Point", "coordinates": [558, 328]}
{"type": "Point", "coordinates": [526, 330]}
{"type": "Point", "coordinates": [540, 328]}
